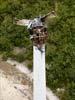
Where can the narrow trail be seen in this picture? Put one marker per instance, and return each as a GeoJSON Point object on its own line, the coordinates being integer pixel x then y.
{"type": "Point", "coordinates": [22, 68]}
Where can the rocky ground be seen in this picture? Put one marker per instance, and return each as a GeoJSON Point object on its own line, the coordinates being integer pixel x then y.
{"type": "Point", "coordinates": [16, 82]}
{"type": "Point", "coordinates": [13, 83]}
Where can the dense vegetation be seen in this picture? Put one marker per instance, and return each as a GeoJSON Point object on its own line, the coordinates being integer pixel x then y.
{"type": "Point", "coordinates": [60, 47]}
